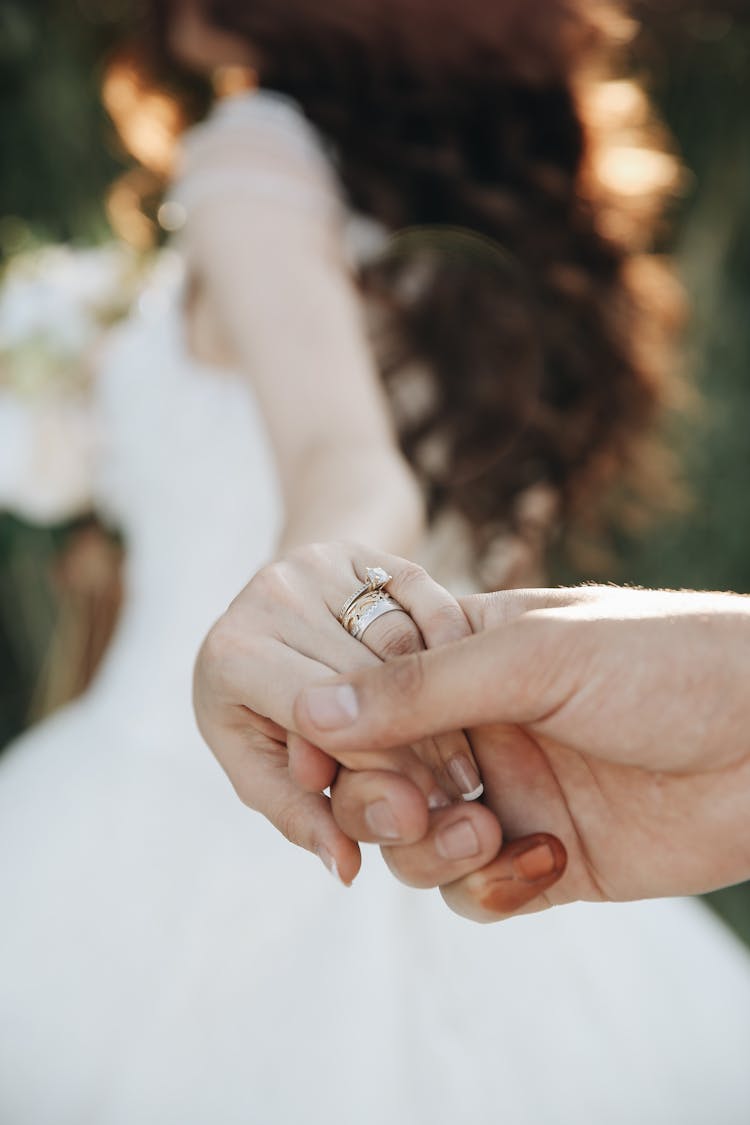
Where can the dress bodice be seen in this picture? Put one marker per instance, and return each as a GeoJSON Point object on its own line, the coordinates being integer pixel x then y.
{"type": "Point", "coordinates": [186, 472]}
{"type": "Point", "coordinates": [186, 463]}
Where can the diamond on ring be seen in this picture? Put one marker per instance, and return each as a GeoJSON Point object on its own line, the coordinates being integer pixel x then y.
{"type": "Point", "coordinates": [368, 602]}
{"type": "Point", "coordinates": [377, 578]}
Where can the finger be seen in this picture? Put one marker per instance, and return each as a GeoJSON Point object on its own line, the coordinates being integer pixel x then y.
{"type": "Point", "coordinates": [280, 662]}
{"type": "Point", "coordinates": [314, 627]}
{"type": "Point", "coordinates": [257, 682]}
{"type": "Point", "coordinates": [484, 611]}
{"type": "Point", "coordinates": [451, 843]}
{"type": "Point", "coordinates": [282, 674]}
{"type": "Point", "coordinates": [431, 613]}
{"type": "Point", "coordinates": [449, 756]}
{"type": "Point", "coordinates": [379, 807]}
{"type": "Point", "coordinates": [251, 747]}
{"type": "Point", "coordinates": [332, 646]}
{"type": "Point", "coordinates": [306, 820]}
{"type": "Point", "coordinates": [459, 840]}
{"type": "Point", "coordinates": [310, 768]}
{"type": "Point", "coordinates": [515, 673]}
{"type": "Point", "coordinates": [515, 882]}
{"type": "Point", "coordinates": [268, 685]}
{"type": "Point", "coordinates": [394, 634]}
{"type": "Point", "coordinates": [258, 771]}
{"type": "Point", "coordinates": [263, 680]}
{"type": "Point", "coordinates": [440, 620]}
{"type": "Point", "coordinates": [436, 613]}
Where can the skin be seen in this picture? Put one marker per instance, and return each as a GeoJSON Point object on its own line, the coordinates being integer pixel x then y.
{"type": "Point", "coordinates": [616, 720]}
{"type": "Point", "coordinates": [282, 634]}
{"type": "Point", "coordinates": [251, 259]}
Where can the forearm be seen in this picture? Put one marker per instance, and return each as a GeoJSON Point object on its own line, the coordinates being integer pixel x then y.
{"type": "Point", "coordinates": [291, 317]}
{"type": "Point", "coordinates": [368, 495]}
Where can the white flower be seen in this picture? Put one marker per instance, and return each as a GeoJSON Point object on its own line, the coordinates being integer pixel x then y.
{"type": "Point", "coordinates": [47, 453]}
{"type": "Point", "coordinates": [55, 303]}
{"type": "Point", "coordinates": [60, 297]}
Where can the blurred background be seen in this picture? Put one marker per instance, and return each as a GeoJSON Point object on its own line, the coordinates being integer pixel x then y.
{"type": "Point", "coordinates": [64, 179]}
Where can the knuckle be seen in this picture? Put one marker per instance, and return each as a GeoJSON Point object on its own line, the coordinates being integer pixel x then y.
{"type": "Point", "coordinates": [277, 586]}
{"type": "Point", "coordinates": [221, 647]}
{"type": "Point", "coordinates": [291, 822]}
{"type": "Point", "coordinates": [245, 790]}
{"type": "Point", "coordinates": [547, 660]}
{"type": "Point", "coordinates": [448, 623]}
{"type": "Point", "coordinates": [348, 802]}
{"type": "Point", "coordinates": [312, 554]}
{"type": "Point", "coordinates": [411, 575]}
{"type": "Point", "coordinates": [268, 583]}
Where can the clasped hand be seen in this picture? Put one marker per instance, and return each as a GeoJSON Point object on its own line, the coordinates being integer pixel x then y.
{"type": "Point", "coordinates": [607, 726]}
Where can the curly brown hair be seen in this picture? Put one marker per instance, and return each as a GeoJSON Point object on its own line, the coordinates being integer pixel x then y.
{"type": "Point", "coordinates": [524, 187]}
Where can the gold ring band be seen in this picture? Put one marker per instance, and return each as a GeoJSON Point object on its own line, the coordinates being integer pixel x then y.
{"type": "Point", "coordinates": [369, 602]}
{"type": "Point", "coordinates": [377, 579]}
{"type": "Point", "coordinates": [367, 609]}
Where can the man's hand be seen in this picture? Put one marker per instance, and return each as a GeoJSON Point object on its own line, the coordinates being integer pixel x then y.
{"type": "Point", "coordinates": [617, 720]}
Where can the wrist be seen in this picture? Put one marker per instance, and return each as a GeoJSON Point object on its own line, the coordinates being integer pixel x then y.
{"type": "Point", "coordinates": [365, 496]}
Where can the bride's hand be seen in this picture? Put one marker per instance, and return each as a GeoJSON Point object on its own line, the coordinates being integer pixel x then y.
{"type": "Point", "coordinates": [282, 634]}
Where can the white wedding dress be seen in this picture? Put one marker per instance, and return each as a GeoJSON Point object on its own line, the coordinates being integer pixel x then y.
{"type": "Point", "coordinates": [166, 958]}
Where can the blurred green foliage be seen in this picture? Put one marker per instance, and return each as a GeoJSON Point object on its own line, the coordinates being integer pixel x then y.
{"type": "Point", "coordinates": [27, 615]}
{"type": "Point", "coordinates": [58, 154]}
{"type": "Point", "coordinates": [57, 149]}
{"type": "Point", "coordinates": [701, 78]}
{"type": "Point", "coordinates": [703, 87]}
{"type": "Point", "coordinates": [698, 69]}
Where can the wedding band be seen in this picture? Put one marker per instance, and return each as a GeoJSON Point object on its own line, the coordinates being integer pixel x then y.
{"type": "Point", "coordinates": [368, 603]}
{"type": "Point", "coordinates": [377, 579]}
{"type": "Point", "coordinates": [368, 608]}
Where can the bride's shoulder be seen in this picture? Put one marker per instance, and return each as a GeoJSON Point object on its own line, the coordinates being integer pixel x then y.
{"type": "Point", "coordinates": [258, 142]}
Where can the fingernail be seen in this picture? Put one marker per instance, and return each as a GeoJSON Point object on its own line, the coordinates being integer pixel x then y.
{"type": "Point", "coordinates": [457, 841]}
{"type": "Point", "coordinates": [330, 864]}
{"type": "Point", "coordinates": [464, 774]}
{"type": "Point", "coordinates": [381, 821]}
{"type": "Point", "coordinates": [438, 800]}
{"type": "Point", "coordinates": [537, 863]}
{"type": "Point", "coordinates": [331, 708]}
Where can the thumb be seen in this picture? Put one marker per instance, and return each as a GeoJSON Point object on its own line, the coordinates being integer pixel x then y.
{"type": "Point", "coordinates": [495, 676]}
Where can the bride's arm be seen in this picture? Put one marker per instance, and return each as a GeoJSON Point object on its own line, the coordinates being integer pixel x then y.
{"type": "Point", "coordinates": [276, 281]}
{"type": "Point", "coordinates": [272, 265]}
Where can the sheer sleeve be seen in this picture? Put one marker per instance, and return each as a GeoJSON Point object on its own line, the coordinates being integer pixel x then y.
{"type": "Point", "coordinates": [264, 239]}
{"type": "Point", "coordinates": [257, 147]}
